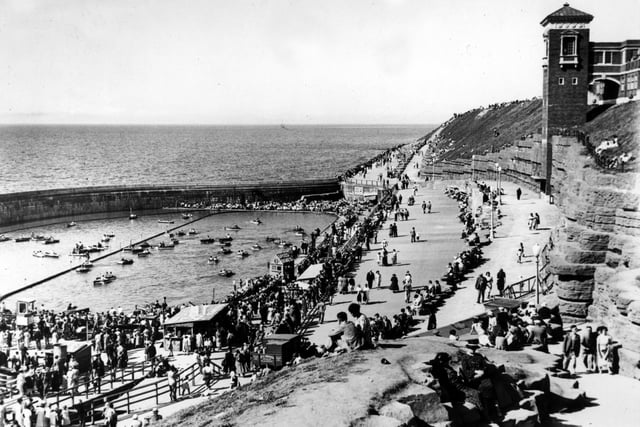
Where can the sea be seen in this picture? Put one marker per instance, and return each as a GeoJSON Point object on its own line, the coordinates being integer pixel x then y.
{"type": "Point", "coordinates": [46, 157]}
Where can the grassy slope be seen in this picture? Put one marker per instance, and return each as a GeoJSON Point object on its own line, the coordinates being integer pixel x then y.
{"type": "Point", "coordinates": [473, 132]}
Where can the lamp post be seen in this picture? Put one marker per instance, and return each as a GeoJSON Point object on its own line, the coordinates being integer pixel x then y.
{"type": "Point", "coordinates": [499, 186]}
{"type": "Point", "coordinates": [433, 168]}
{"type": "Point", "coordinates": [536, 253]}
{"type": "Point", "coordinates": [473, 168]}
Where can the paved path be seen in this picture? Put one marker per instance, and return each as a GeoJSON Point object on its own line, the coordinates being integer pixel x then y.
{"type": "Point", "coordinates": [440, 242]}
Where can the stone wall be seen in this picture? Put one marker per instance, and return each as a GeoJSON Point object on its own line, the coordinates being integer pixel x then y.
{"type": "Point", "coordinates": [16, 208]}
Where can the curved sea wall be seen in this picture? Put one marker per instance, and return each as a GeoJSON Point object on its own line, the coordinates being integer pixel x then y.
{"type": "Point", "coordinates": [16, 208]}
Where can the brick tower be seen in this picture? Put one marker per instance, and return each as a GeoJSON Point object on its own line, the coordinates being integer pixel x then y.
{"type": "Point", "coordinates": [565, 75]}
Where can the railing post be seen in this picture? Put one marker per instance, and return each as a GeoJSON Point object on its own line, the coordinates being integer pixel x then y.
{"type": "Point", "coordinates": [128, 405]}
{"type": "Point", "coordinates": [157, 397]}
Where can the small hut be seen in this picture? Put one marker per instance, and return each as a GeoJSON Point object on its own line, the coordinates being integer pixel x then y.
{"type": "Point", "coordinates": [282, 265]}
{"type": "Point", "coordinates": [194, 319]}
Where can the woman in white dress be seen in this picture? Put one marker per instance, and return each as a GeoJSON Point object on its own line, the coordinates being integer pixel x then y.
{"type": "Point", "coordinates": [603, 345]}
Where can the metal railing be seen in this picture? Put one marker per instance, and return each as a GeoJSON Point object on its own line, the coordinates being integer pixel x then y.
{"type": "Point", "coordinates": [149, 393]}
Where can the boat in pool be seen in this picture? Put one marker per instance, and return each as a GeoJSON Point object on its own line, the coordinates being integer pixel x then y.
{"type": "Point", "coordinates": [225, 273]}
{"type": "Point", "coordinates": [83, 269]}
{"type": "Point", "coordinates": [192, 231]}
{"type": "Point", "coordinates": [187, 215]}
{"type": "Point", "coordinates": [22, 239]}
{"type": "Point", "coordinates": [145, 245]}
{"type": "Point", "coordinates": [144, 253]}
{"type": "Point", "coordinates": [226, 238]}
{"type": "Point", "coordinates": [270, 239]}
{"type": "Point", "coordinates": [71, 224]}
{"type": "Point", "coordinates": [256, 221]}
{"type": "Point", "coordinates": [46, 254]}
{"type": "Point", "coordinates": [175, 241]}
{"type": "Point", "coordinates": [109, 235]}
{"type": "Point", "coordinates": [50, 240]}
{"type": "Point", "coordinates": [125, 261]}
{"type": "Point", "coordinates": [132, 215]}
{"type": "Point", "coordinates": [234, 227]}
{"type": "Point", "coordinates": [180, 233]}
{"type": "Point", "coordinates": [4, 238]}
{"type": "Point", "coordinates": [242, 253]}
{"type": "Point", "coordinates": [224, 244]}
{"type": "Point", "coordinates": [104, 279]}
{"type": "Point", "coordinates": [256, 247]}
{"type": "Point", "coordinates": [105, 239]}
{"type": "Point", "coordinates": [165, 221]}
{"type": "Point", "coordinates": [133, 249]}
{"type": "Point", "coordinates": [224, 251]}
{"type": "Point", "coordinates": [164, 246]}
{"type": "Point", "coordinates": [213, 260]}
{"type": "Point", "coordinates": [208, 240]}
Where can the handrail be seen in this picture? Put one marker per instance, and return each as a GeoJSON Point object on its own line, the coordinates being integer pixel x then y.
{"type": "Point", "coordinates": [511, 292]}
{"type": "Point", "coordinates": [91, 388]}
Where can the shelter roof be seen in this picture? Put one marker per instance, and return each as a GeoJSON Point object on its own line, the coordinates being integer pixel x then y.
{"type": "Point", "coordinates": [567, 14]}
{"type": "Point", "coordinates": [311, 272]}
{"type": "Point", "coordinates": [196, 313]}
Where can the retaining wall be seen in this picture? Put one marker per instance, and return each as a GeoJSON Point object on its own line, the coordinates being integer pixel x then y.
{"type": "Point", "coordinates": [31, 206]}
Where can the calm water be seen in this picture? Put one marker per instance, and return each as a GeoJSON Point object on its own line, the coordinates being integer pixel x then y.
{"type": "Point", "coordinates": [43, 157]}
{"type": "Point", "coordinates": [181, 274]}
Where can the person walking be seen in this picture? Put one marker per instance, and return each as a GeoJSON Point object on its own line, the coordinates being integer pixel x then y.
{"type": "Point", "coordinates": [481, 285]}
{"type": "Point", "coordinates": [424, 207]}
{"type": "Point", "coordinates": [520, 253]}
{"type": "Point", "coordinates": [429, 206]}
{"type": "Point", "coordinates": [413, 234]}
{"type": "Point", "coordinates": [605, 355]}
{"type": "Point", "coordinates": [378, 279]}
{"type": "Point", "coordinates": [571, 350]}
{"type": "Point", "coordinates": [588, 347]}
{"type": "Point", "coordinates": [322, 307]}
{"type": "Point", "coordinates": [407, 284]}
{"type": "Point", "coordinates": [518, 193]}
{"type": "Point", "coordinates": [501, 276]}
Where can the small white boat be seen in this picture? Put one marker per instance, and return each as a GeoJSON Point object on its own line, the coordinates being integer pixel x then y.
{"type": "Point", "coordinates": [4, 238]}
{"type": "Point", "coordinates": [105, 239]}
{"type": "Point", "coordinates": [144, 253]}
{"type": "Point", "coordinates": [163, 246]}
{"type": "Point", "coordinates": [192, 231]}
{"type": "Point", "coordinates": [132, 215]}
{"type": "Point", "coordinates": [213, 260]}
{"type": "Point", "coordinates": [256, 247]}
{"type": "Point", "coordinates": [242, 254]}
{"type": "Point", "coordinates": [165, 221]}
{"type": "Point", "coordinates": [71, 224]}
{"type": "Point", "coordinates": [234, 227]}
{"type": "Point", "coordinates": [109, 235]}
{"type": "Point", "coordinates": [83, 269]}
{"type": "Point", "coordinates": [187, 215]}
{"type": "Point", "coordinates": [125, 261]}
{"type": "Point", "coordinates": [45, 254]}
{"type": "Point", "coordinates": [256, 221]}
{"type": "Point", "coordinates": [225, 273]}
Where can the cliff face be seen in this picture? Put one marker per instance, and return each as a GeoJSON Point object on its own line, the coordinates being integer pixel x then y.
{"type": "Point", "coordinates": [595, 260]}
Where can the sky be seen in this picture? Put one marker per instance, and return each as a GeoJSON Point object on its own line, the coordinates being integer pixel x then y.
{"type": "Point", "coordinates": [276, 61]}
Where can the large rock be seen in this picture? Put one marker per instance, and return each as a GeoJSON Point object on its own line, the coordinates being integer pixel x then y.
{"type": "Point", "coordinates": [425, 404]}
{"type": "Point", "coordinates": [397, 410]}
{"type": "Point", "coordinates": [377, 421]}
{"type": "Point", "coordinates": [463, 414]}
{"type": "Point", "coordinates": [520, 418]}
{"type": "Point", "coordinates": [537, 401]}
{"type": "Point", "coordinates": [539, 382]}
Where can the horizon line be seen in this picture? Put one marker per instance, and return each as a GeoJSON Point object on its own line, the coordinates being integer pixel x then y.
{"type": "Point", "coordinates": [220, 124]}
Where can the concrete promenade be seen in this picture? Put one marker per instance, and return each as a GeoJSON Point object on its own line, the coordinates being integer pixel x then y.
{"type": "Point", "coordinates": [439, 242]}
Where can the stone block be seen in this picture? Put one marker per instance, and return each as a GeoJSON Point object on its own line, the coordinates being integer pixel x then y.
{"type": "Point", "coordinates": [577, 256]}
{"type": "Point", "coordinates": [629, 363]}
{"type": "Point", "coordinates": [400, 411]}
{"type": "Point", "coordinates": [561, 267]}
{"type": "Point", "coordinates": [377, 421]}
{"type": "Point", "coordinates": [520, 418]}
{"type": "Point", "coordinates": [576, 290]}
{"type": "Point", "coordinates": [593, 241]}
{"type": "Point", "coordinates": [633, 312]}
{"type": "Point", "coordinates": [573, 308]}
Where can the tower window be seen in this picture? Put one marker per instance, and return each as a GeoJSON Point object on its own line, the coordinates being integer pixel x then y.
{"type": "Point", "coordinates": [574, 81]}
{"type": "Point", "coordinates": [569, 50]}
{"type": "Point", "coordinates": [561, 81]}
{"type": "Point", "coordinates": [569, 45]}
